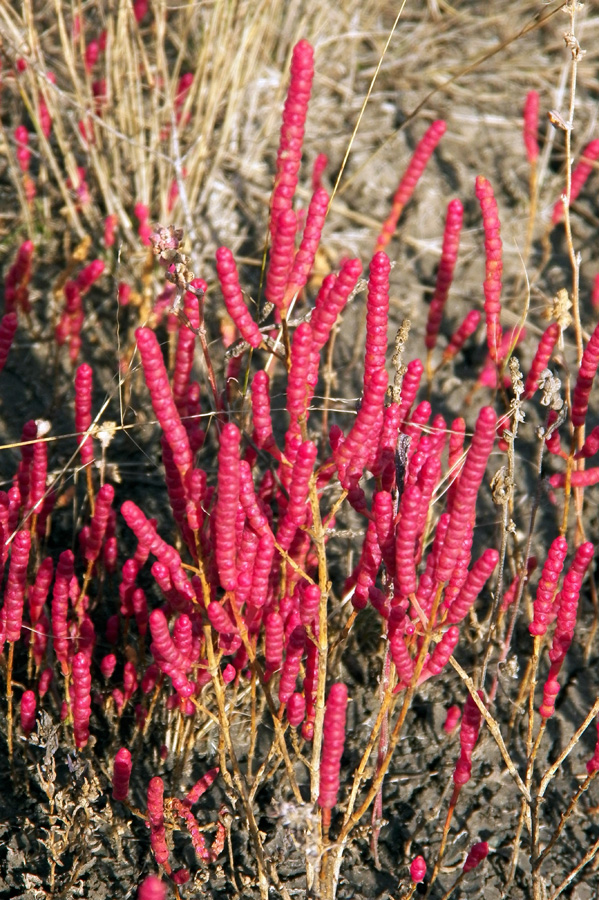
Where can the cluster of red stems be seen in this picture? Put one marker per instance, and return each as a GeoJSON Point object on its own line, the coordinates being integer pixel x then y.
{"type": "Point", "coordinates": [256, 600]}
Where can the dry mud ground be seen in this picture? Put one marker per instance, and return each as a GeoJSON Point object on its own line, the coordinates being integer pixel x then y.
{"type": "Point", "coordinates": [471, 43]}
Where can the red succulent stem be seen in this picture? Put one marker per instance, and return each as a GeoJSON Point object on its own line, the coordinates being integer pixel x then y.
{"type": "Point", "coordinates": [493, 264]}
{"type": "Point", "coordinates": [121, 774]}
{"type": "Point", "coordinates": [581, 172]}
{"type": "Point", "coordinates": [541, 359]}
{"type": "Point", "coordinates": [83, 411]}
{"type": "Point", "coordinates": [331, 299]}
{"type": "Point", "coordinates": [407, 527]}
{"type": "Point", "coordinates": [99, 522]}
{"type": "Point", "coordinates": [297, 382]}
{"type": "Point", "coordinates": [332, 746]}
{"type": "Point", "coordinates": [14, 592]}
{"type": "Point", "coordinates": [282, 254]}
{"type": "Point", "coordinates": [28, 707]}
{"type": "Point", "coordinates": [461, 335]}
{"type": "Point", "coordinates": [162, 399]}
{"type": "Point", "coordinates": [473, 585]}
{"type": "Point", "coordinates": [304, 258]}
{"type": "Point", "coordinates": [367, 568]}
{"type": "Point", "coordinates": [355, 450]}
{"type": "Point", "coordinates": [294, 651]}
{"type": "Point", "coordinates": [590, 446]}
{"type": "Point", "coordinates": [262, 435]}
{"type": "Point", "coordinates": [377, 312]}
{"type": "Point", "coordinates": [38, 593]}
{"type": "Point", "coordinates": [531, 126]}
{"type": "Point", "coordinates": [233, 297]}
{"type": "Point", "coordinates": [289, 155]}
{"type": "Point", "coordinates": [581, 479]}
{"type": "Point", "coordinates": [156, 818]}
{"type": "Point", "coordinates": [462, 515]}
{"type": "Point", "coordinates": [274, 642]}
{"type": "Point", "coordinates": [81, 699]}
{"type": "Point", "coordinates": [449, 258]}
{"type": "Point", "coordinates": [8, 327]}
{"type": "Point", "coordinates": [469, 729]}
{"type": "Point", "coordinates": [227, 502]}
{"type": "Point", "coordinates": [478, 853]}
{"type": "Point", "coordinates": [409, 387]}
{"type": "Point", "coordinates": [584, 381]}
{"type": "Point", "coordinates": [416, 167]}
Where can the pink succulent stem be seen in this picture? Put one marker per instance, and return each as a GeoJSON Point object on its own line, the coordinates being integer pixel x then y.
{"type": "Point", "coordinates": [162, 399]}
{"type": "Point", "coordinates": [461, 335]}
{"type": "Point", "coordinates": [274, 642]}
{"type": "Point", "coordinates": [14, 592]}
{"type": "Point", "coordinates": [416, 167]}
{"type": "Point", "coordinates": [83, 411]}
{"type": "Point", "coordinates": [121, 774]}
{"type": "Point", "coordinates": [332, 745]}
{"type": "Point", "coordinates": [304, 258]}
{"type": "Point", "coordinates": [186, 340]}
{"type": "Point", "coordinates": [531, 126]}
{"type": "Point", "coordinates": [493, 264]}
{"type": "Point", "coordinates": [584, 381]}
{"type": "Point", "coordinates": [405, 541]}
{"type": "Point", "coordinates": [377, 312]}
{"type": "Point", "coordinates": [164, 647]}
{"type": "Point", "coordinates": [476, 855]}
{"type": "Point", "coordinates": [418, 869]}
{"type": "Point", "coordinates": [262, 435]}
{"type": "Point", "coordinates": [291, 664]}
{"type": "Point", "coordinates": [464, 504]}
{"type": "Point", "coordinates": [297, 382]}
{"type": "Point", "coordinates": [8, 327]}
{"type": "Point", "coordinates": [60, 606]}
{"type": "Point", "coordinates": [298, 507]}
{"type": "Point", "coordinates": [320, 164]}
{"type": "Point", "coordinates": [145, 532]}
{"type": "Point", "coordinates": [590, 446]}
{"type": "Point", "coordinates": [289, 155]}
{"type": "Point", "coordinates": [156, 817]}
{"type": "Point", "coordinates": [331, 299]}
{"type": "Point", "coordinates": [567, 602]}
{"type": "Point", "coordinates": [227, 502]}
{"type": "Point", "coordinates": [28, 706]}
{"type": "Point", "coordinates": [382, 514]}
{"type": "Point", "coordinates": [449, 258]}
{"type": "Point", "coordinates": [400, 654]}
{"type": "Point", "coordinates": [17, 280]}
{"type": "Point", "coordinates": [233, 297]}
{"type": "Point", "coordinates": [473, 585]}
{"type": "Point", "coordinates": [152, 887]}
{"type": "Point", "coordinates": [581, 172]}
{"type": "Point", "coordinates": [38, 593]}
{"type": "Point", "coordinates": [470, 727]}
{"type": "Point", "coordinates": [367, 569]}
{"type": "Point", "coordinates": [440, 655]}
{"type": "Point", "coordinates": [578, 479]}
{"type": "Point", "coordinates": [81, 699]}
{"type": "Point", "coordinates": [282, 255]}
{"type": "Point", "coordinates": [99, 522]}
{"type": "Point", "coordinates": [409, 387]}
{"type": "Point", "coordinates": [541, 358]}
{"type": "Point", "coordinates": [28, 436]}
{"type": "Point", "coordinates": [354, 451]}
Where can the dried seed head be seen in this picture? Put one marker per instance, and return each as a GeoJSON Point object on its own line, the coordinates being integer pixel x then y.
{"type": "Point", "coordinates": [560, 309]}
{"type": "Point", "coordinates": [550, 385]}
